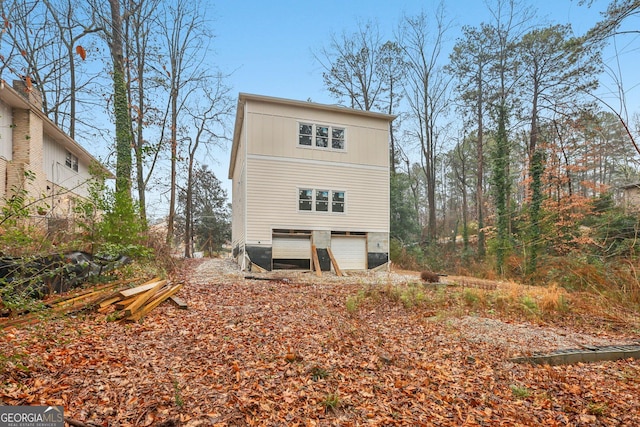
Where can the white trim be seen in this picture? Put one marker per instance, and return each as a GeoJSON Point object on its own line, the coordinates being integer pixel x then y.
{"type": "Point", "coordinates": [317, 162]}
{"type": "Point", "coordinates": [244, 190]}
{"type": "Point", "coordinates": [314, 136]}
{"type": "Point", "coordinates": [313, 201]}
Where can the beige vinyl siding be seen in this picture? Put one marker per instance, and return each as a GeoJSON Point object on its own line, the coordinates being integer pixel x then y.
{"type": "Point", "coordinates": [275, 133]}
{"type": "Point", "coordinates": [238, 196]}
{"type": "Point", "coordinates": [56, 171]}
{"type": "Point", "coordinates": [272, 199]}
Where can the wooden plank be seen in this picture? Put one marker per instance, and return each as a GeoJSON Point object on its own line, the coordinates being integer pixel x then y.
{"type": "Point", "coordinates": [139, 289]}
{"type": "Point", "coordinates": [257, 268]}
{"type": "Point", "coordinates": [72, 301]}
{"type": "Point", "coordinates": [143, 298]}
{"type": "Point", "coordinates": [334, 262]}
{"type": "Point", "coordinates": [316, 261]}
{"type": "Point", "coordinates": [153, 303]}
{"type": "Point", "coordinates": [108, 301]}
{"type": "Point", "coordinates": [106, 286]}
{"type": "Point", "coordinates": [178, 302]}
{"type": "Point", "coordinates": [125, 302]}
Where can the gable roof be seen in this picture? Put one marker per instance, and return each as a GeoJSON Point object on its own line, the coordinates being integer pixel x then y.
{"type": "Point", "coordinates": [14, 99]}
{"type": "Point", "coordinates": [244, 97]}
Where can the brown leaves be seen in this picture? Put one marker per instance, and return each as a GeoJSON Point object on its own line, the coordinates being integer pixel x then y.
{"type": "Point", "coordinates": [80, 51]}
{"type": "Point", "coordinates": [264, 354]}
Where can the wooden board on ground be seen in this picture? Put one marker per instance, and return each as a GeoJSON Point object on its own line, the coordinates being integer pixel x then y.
{"type": "Point", "coordinates": [179, 302]}
{"type": "Point", "coordinates": [153, 303]}
{"type": "Point", "coordinates": [257, 268]}
{"type": "Point", "coordinates": [316, 261]}
{"type": "Point", "coordinates": [140, 289]}
{"type": "Point", "coordinates": [143, 298]}
{"type": "Point", "coordinates": [334, 262]}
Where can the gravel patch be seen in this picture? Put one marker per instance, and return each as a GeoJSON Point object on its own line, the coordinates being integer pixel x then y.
{"type": "Point", "coordinates": [525, 339]}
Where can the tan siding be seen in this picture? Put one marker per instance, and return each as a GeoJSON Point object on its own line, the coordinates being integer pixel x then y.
{"type": "Point", "coordinates": [272, 199]}
{"type": "Point", "coordinates": [238, 197]}
{"type": "Point", "coordinates": [274, 131]}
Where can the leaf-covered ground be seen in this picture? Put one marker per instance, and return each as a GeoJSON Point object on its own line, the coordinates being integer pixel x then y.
{"type": "Point", "coordinates": [317, 352]}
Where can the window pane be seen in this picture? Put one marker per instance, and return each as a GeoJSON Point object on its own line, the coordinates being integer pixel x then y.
{"type": "Point", "coordinates": [304, 200]}
{"type": "Point", "coordinates": [322, 201]}
{"type": "Point", "coordinates": [322, 141]}
{"type": "Point", "coordinates": [337, 138]}
{"type": "Point", "coordinates": [322, 136]}
{"type": "Point", "coordinates": [68, 160]}
{"type": "Point", "coordinates": [306, 129]}
{"type": "Point", "coordinates": [305, 194]}
{"type": "Point", "coordinates": [337, 204]}
{"type": "Point", "coordinates": [322, 131]}
{"type": "Point", "coordinates": [305, 140]}
{"type": "Point", "coordinates": [305, 205]}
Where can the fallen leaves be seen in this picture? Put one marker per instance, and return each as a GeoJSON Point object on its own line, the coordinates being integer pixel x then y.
{"type": "Point", "coordinates": [255, 353]}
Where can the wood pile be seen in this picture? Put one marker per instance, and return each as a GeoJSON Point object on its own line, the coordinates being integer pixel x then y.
{"type": "Point", "coordinates": [124, 303]}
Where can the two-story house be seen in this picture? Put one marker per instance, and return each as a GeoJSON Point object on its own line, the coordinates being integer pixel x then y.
{"type": "Point", "coordinates": [307, 175]}
{"type": "Point", "coordinates": [38, 158]}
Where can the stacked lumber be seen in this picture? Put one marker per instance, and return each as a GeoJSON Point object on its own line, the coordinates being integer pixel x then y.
{"type": "Point", "coordinates": [130, 303]}
{"type": "Point", "coordinates": [133, 304]}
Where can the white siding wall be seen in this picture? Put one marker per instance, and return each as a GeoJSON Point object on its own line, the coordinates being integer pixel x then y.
{"type": "Point", "coordinates": [272, 199]}
{"type": "Point", "coordinates": [238, 196]}
{"type": "Point", "coordinates": [59, 174]}
{"type": "Point", "coordinates": [6, 131]}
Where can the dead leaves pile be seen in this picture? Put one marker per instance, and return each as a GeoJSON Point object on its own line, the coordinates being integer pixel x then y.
{"type": "Point", "coordinates": [256, 353]}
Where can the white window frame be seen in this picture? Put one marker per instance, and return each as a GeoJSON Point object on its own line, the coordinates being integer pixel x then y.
{"type": "Point", "coordinates": [315, 137]}
{"type": "Point", "coordinates": [330, 202]}
{"type": "Point", "coordinates": [71, 161]}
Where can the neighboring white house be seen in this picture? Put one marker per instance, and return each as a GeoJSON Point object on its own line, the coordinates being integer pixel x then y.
{"type": "Point", "coordinates": [31, 143]}
{"type": "Point", "coordinates": [309, 175]}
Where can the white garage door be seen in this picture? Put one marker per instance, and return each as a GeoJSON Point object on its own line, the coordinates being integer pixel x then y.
{"type": "Point", "coordinates": [350, 252]}
{"type": "Point", "coordinates": [291, 248]}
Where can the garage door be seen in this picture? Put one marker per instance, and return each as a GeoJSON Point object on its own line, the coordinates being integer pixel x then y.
{"type": "Point", "coordinates": [291, 247]}
{"type": "Point", "coordinates": [350, 252]}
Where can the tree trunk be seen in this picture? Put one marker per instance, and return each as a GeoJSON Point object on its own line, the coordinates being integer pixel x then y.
{"type": "Point", "coordinates": [120, 105]}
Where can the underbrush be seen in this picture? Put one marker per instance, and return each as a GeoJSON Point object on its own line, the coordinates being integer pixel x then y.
{"type": "Point", "coordinates": [614, 279]}
{"type": "Point", "coordinates": [510, 300]}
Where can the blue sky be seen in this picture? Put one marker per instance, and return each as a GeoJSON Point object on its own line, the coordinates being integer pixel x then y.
{"type": "Point", "coordinates": [268, 45]}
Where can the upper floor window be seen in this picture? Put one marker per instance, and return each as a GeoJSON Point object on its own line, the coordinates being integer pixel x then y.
{"type": "Point", "coordinates": [71, 161]}
{"type": "Point", "coordinates": [321, 136]}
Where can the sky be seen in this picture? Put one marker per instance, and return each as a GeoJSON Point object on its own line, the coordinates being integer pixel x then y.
{"type": "Point", "coordinates": [267, 46]}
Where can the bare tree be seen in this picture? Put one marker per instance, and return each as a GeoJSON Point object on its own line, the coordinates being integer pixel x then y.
{"type": "Point", "coordinates": [185, 35]}
{"type": "Point", "coordinates": [427, 88]}
{"type": "Point", "coordinates": [208, 114]}
{"type": "Point", "coordinates": [47, 48]}
{"type": "Point", "coordinates": [470, 62]}
{"type": "Point", "coordinates": [351, 67]}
